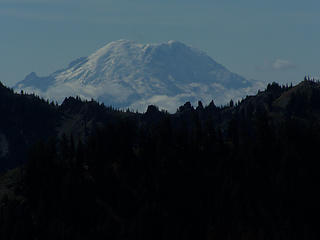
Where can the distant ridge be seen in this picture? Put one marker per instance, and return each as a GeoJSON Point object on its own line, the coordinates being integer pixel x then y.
{"type": "Point", "coordinates": [126, 74]}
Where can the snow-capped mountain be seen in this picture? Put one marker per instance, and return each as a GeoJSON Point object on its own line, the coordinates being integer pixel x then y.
{"type": "Point", "coordinates": [126, 74]}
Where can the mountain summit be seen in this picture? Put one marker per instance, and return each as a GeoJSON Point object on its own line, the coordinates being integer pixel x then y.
{"type": "Point", "coordinates": [126, 74]}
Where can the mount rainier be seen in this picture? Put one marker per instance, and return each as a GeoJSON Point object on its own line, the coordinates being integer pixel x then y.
{"type": "Point", "coordinates": [126, 74]}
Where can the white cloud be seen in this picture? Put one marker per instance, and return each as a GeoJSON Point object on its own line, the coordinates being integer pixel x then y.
{"type": "Point", "coordinates": [281, 64]}
{"type": "Point", "coordinates": [276, 65]}
{"type": "Point", "coordinates": [218, 94]}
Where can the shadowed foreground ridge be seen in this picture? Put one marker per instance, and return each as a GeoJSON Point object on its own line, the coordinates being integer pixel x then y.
{"type": "Point", "coordinates": [248, 170]}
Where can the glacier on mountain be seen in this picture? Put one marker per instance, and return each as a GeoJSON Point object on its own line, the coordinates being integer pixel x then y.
{"type": "Point", "coordinates": [126, 74]}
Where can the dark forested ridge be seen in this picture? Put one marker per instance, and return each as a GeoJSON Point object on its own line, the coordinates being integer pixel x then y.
{"type": "Point", "coordinates": [248, 170]}
{"type": "Point", "coordinates": [26, 119]}
{"type": "Point", "coordinates": [23, 120]}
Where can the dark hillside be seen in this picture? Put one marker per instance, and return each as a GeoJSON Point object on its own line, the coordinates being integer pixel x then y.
{"type": "Point", "coordinates": [248, 170]}
{"type": "Point", "coordinates": [24, 120]}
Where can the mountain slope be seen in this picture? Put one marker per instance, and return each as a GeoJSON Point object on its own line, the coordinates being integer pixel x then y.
{"type": "Point", "coordinates": [126, 74]}
{"type": "Point", "coordinates": [24, 120]}
{"type": "Point", "coordinates": [246, 170]}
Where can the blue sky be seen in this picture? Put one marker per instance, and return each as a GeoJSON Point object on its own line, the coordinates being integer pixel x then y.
{"type": "Point", "coordinates": [265, 40]}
